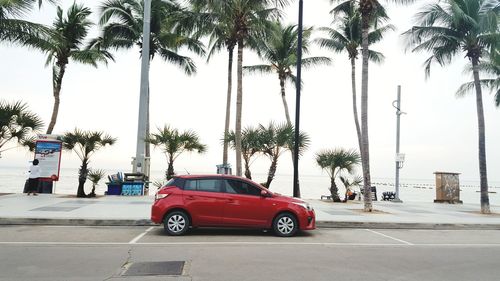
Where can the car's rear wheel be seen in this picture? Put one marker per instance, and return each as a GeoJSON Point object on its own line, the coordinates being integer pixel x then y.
{"type": "Point", "coordinates": [176, 223]}
{"type": "Point", "coordinates": [285, 225]}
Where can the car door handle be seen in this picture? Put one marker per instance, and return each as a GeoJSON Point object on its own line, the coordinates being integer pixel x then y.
{"type": "Point", "coordinates": [190, 198]}
{"type": "Point", "coordinates": [231, 201]}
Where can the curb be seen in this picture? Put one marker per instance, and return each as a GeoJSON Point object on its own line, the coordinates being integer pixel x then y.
{"type": "Point", "coordinates": [397, 225]}
{"type": "Point", "coordinates": [319, 224]}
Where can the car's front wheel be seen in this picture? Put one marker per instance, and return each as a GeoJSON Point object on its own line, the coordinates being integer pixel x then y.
{"type": "Point", "coordinates": [285, 225]}
{"type": "Point", "coordinates": [176, 223]}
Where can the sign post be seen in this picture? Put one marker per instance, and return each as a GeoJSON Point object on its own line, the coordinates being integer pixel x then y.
{"type": "Point", "coordinates": [48, 150]}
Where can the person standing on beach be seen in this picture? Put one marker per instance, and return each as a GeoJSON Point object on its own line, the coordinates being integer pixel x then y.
{"type": "Point", "coordinates": [33, 178]}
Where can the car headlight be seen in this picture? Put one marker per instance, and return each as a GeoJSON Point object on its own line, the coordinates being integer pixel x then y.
{"type": "Point", "coordinates": [159, 196]}
{"type": "Point", "coordinates": [304, 205]}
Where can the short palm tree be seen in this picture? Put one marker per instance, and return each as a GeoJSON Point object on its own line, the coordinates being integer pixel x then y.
{"type": "Point", "coordinates": [449, 28]}
{"type": "Point", "coordinates": [173, 143]}
{"type": "Point", "coordinates": [277, 139]}
{"type": "Point", "coordinates": [250, 146]}
{"type": "Point", "coordinates": [368, 10]}
{"type": "Point", "coordinates": [17, 123]}
{"type": "Point", "coordinates": [346, 37]}
{"type": "Point", "coordinates": [335, 162]}
{"type": "Point", "coordinates": [279, 51]}
{"type": "Point", "coordinates": [349, 183]}
{"type": "Point", "coordinates": [13, 28]}
{"type": "Point", "coordinates": [95, 176]}
{"type": "Point", "coordinates": [85, 144]}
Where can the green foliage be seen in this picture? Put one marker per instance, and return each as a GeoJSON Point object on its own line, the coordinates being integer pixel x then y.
{"type": "Point", "coordinates": [174, 143]}
{"type": "Point", "coordinates": [338, 160]}
{"type": "Point", "coordinates": [86, 143]}
{"type": "Point", "coordinates": [17, 122]}
{"type": "Point", "coordinates": [122, 22]}
{"type": "Point", "coordinates": [95, 176]}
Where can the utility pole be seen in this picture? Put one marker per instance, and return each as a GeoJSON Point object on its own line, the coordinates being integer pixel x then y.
{"type": "Point", "coordinates": [140, 159]}
{"type": "Point", "coordinates": [399, 157]}
{"type": "Point", "coordinates": [296, 187]}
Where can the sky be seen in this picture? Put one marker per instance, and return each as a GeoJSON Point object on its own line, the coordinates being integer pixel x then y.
{"type": "Point", "coordinates": [438, 131]}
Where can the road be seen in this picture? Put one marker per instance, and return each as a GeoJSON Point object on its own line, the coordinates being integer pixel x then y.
{"type": "Point", "coordinates": [116, 253]}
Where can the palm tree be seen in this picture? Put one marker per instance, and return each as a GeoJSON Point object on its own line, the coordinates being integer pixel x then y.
{"type": "Point", "coordinates": [64, 42]}
{"type": "Point", "coordinates": [449, 27]}
{"type": "Point", "coordinates": [490, 66]}
{"type": "Point", "coordinates": [279, 51]}
{"type": "Point", "coordinates": [16, 30]}
{"type": "Point", "coordinates": [347, 38]}
{"type": "Point", "coordinates": [368, 10]}
{"type": "Point", "coordinates": [95, 176]}
{"type": "Point", "coordinates": [174, 143]}
{"type": "Point", "coordinates": [18, 123]}
{"type": "Point", "coordinates": [335, 162]}
{"type": "Point", "coordinates": [122, 23]}
{"type": "Point", "coordinates": [85, 144]}
{"type": "Point", "coordinates": [250, 146]}
{"type": "Point", "coordinates": [215, 20]}
{"type": "Point", "coordinates": [349, 183]}
{"type": "Point", "coordinates": [277, 139]}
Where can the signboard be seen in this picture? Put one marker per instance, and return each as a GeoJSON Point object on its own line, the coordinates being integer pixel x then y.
{"type": "Point", "coordinates": [400, 157]}
{"type": "Point", "coordinates": [48, 153]}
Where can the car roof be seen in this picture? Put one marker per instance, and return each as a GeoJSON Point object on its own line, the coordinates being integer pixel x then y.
{"type": "Point", "coordinates": [209, 176]}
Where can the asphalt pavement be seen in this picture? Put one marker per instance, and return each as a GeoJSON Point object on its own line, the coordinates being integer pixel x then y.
{"type": "Point", "coordinates": [54, 209]}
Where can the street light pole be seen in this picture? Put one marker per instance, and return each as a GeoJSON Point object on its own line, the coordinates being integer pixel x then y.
{"type": "Point", "coordinates": [399, 157]}
{"type": "Point", "coordinates": [296, 188]}
{"type": "Point", "coordinates": [139, 163]}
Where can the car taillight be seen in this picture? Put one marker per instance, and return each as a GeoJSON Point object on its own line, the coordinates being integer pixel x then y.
{"type": "Point", "coordinates": [159, 196]}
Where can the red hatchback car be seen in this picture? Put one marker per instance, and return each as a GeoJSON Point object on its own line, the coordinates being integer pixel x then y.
{"type": "Point", "coordinates": [227, 201]}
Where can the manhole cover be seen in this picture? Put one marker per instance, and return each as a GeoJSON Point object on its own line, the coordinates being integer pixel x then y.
{"type": "Point", "coordinates": [155, 268]}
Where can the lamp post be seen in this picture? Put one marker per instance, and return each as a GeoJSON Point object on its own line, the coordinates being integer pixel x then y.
{"type": "Point", "coordinates": [399, 157]}
{"type": "Point", "coordinates": [139, 163]}
{"type": "Point", "coordinates": [296, 188]}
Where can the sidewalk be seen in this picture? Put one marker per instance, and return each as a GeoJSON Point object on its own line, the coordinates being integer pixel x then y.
{"type": "Point", "coordinates": [135, 210]}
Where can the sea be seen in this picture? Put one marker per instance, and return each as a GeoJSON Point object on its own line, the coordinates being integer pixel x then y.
{"type": "Point", "coordinates": [12, 180]}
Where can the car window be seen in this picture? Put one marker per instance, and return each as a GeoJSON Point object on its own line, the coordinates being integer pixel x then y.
{"type": "Point", "coordinates": [210, 185]}
{"type": "Point", "coordinates": [239, 187]}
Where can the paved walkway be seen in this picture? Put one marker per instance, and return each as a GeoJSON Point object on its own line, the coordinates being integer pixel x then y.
{"type": "Point", "coordinates": [135, 210]}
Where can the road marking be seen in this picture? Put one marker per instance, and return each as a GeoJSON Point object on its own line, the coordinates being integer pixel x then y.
{"type": "Point", "coordinates": [133, 241]}
{"type": "Point", "coordinates": [243, 243]}
{"type": "Point", "coordinates": [390, 237]}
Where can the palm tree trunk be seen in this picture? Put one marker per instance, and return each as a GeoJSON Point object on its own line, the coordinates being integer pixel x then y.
{"type": "Point", "coordinates": [82, 177]}
{"type": "Point", "coordinates": [334, 190]}
{"type": "Point", "coordinates": [57, 77]}
{"type": "Point", "coordinates": [272, 171]}
{"type": "Point", "coordinates": [248, 174]}
{"type": "Point", "coordinates": [228, 102]}
{"type": "Point", "coordinates": [239, 102]}
{"type": "Point", "coordinates": [365, 152]}
{"type": "Point", "coordinates": [485, 201]}
{"type": "Point", "coordinates": [170, 170]}
{"type": "Point", "coordinates": [355, 102]}
{"type": "Point", "coordinates": [285, 104]}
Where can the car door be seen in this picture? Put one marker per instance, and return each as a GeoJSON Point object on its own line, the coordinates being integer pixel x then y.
{"type": "Point", "coordinates": [245, 206]}
{"type": "Point", "coordinates": [204, 200]}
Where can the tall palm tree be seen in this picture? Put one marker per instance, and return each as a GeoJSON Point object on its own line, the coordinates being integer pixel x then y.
{"type": "Point", "coordinates": [173, 143]}
{"type": "Point", "coordinates": [346, 37]}
{"type": "Point", "coordinates": [335, 162]}
{"type": "Point", "coordinates": [18, 123]}
{"type": "Point", "coordinates": [490, 66]}
{"type": "Point", "coordinates": [122, 23]}
{"type": "Point", "coordinates": [368, 10]}
{"type": "Point", "coordinates": [279, 51]}
{"type": "Point", "coordinates": [64, 43]}
{"type": "Point", "coordinates": [216, 21]}
{"type": "Point", "coordinates": [85, 144]}
{"type": "Point", "coordinates": [13, 28]}
{"type": "Point", "coordinates": [251, 145]}
{"type": "Point", "coordinates": [277, 139]}
{"type": "Point", "coordinates": [449, 27]}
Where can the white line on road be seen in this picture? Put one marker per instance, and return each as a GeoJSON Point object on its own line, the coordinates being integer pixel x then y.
{"type": "Point", "coordinates": [133, 241]}
{"type": "Point", "coordinates": [390, 237]}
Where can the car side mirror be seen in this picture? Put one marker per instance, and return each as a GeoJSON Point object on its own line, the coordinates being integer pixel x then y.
{"type": "Point", "coordinates": [266, 194]}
